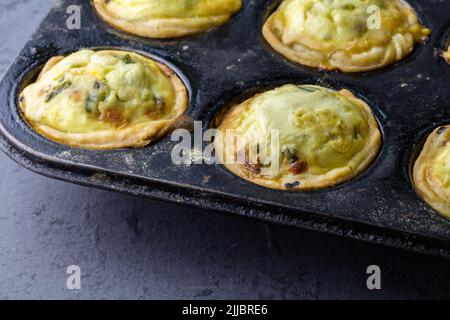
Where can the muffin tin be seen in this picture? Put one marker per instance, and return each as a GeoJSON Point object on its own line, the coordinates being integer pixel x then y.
{"type": "Point", "coordinates": [409, 99]}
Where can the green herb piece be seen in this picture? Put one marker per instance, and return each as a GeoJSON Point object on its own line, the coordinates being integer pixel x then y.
{"type": "Point", "coordinates": [91, 103]}
{"type": "Point", "coordinates": [95, 97]}
{"type": "Point", "coordinates": [290, 155]}
{"type": "Point", "coordinates": [97, 85]}
{"type": "Point", "coordinates": [57, 90]}
{"type": "Point", "coordinates": [292, 185]}
{"type": "Point", "coordinates": [309, 89]}
{"type": "Point", "coordinates": [127, 59]}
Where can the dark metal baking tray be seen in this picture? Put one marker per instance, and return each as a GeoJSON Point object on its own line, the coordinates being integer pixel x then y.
{"type": "Point", "coordinates": [409, 99]}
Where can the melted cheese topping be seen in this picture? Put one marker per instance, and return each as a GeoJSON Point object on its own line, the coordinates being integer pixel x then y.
{"type": "Point", "coordinates": [319, 130]}
{"type": "Point", "coordinates": [432, 171]}
{"type": "Point", "coordinates": [95, 91]}
{"type": "Point", "coordinates": [346, 30]}
{"type": "Point", "coordinates": [135, 10]}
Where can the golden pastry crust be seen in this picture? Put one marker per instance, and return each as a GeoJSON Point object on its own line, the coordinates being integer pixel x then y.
{"type": "Point", "coordinates": [325, 137]}
{"type": "Point", "coordinates": [166, 25]}
{"type": "Point", "coordinates": [431, 172]}
{"type": "Point", "coordinates": [336, 35]}
{"type": "Point", "coordinates": [85, 100]}
{"type": "Point", "coordinates": [447, 55]}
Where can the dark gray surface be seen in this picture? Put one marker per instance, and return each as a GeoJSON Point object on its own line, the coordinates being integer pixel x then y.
{"type": "Point", "coordinates": [134, 248]}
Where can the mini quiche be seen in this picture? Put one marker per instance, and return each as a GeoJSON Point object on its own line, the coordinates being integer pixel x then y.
{"type": "Point", "coordinates": [166, 18]}
{"type": "Point", "coordinates": [431, 172]}
{"type": "Point", "coordinates": [306, 137]}
{"type": "Point", "coordinates": [104, 100]}
{"type": "Point", "coordinates": [348, 35]}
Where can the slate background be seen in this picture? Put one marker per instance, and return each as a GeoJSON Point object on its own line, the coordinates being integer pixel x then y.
{"type": "Point", "coordinates": [135, 248]}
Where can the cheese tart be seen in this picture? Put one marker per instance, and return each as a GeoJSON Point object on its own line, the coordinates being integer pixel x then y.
{"type": "Point", "coordinates": [431, 172]}
{"type": "Point", "coordinates": [104, 99]}
{"type": "Point", "coordinates": [166, 18]}
{"type": "Point", "coordinates": [303, 137]}
{"type": "Point", "coordinates": [348, 35]}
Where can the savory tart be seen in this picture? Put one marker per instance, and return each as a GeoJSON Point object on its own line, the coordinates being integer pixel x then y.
{"type": "Point", "coordinates": [166, 18]}
{"type": "Point", "coordinates": [302, 137]}
{"type": "Point", "coordinates": [104, 100]}
{"type": "Point", "coordinates": [431, 172]}
{"type": "Point", "coordinates": [349, 35]}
